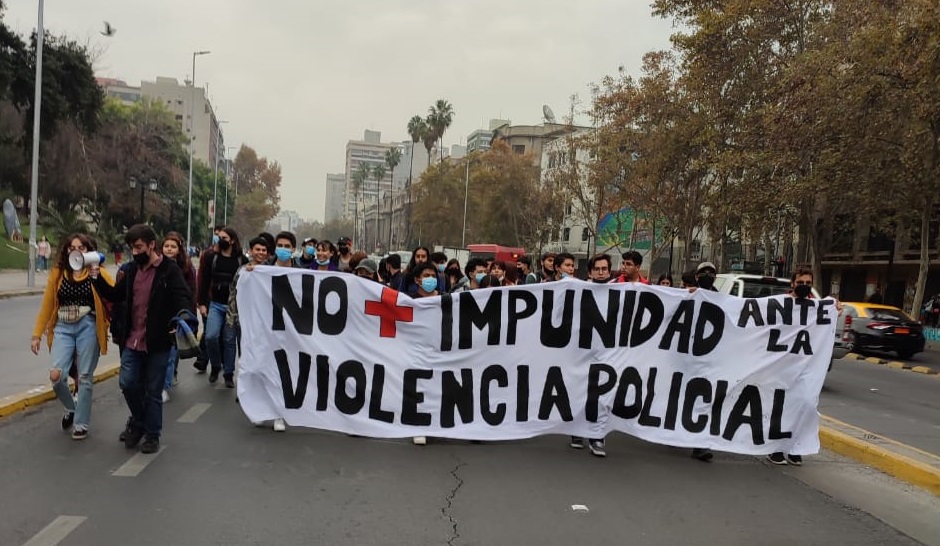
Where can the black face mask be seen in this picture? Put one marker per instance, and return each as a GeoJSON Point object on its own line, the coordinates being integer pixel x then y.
{"type": "Point", "coordinates": [803, 291]}
{"type": "Point", "coordinates": [453, 272]}
{"type": "Point", "coordinates": [225, 244]}
{"type": "Point", "coordinates": [343, 249]}
{"type": "Point", "coordinates": [706, 282]}
{"type": "Point", "coordinates": [142, 259]}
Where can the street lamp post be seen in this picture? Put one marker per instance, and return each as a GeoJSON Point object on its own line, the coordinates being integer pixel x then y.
{"type": "Point", "coordinates": [215, 183]}
{"type": "Point", "coordinates": [466, 194]}
{"type": "Point", "coordinates": [150, 185]}
{"type": "Point", "coordinates": [227, 184]}
{"type": "Point", "coordinates": [34, 175]}
{"type": "Point", "coordinates": [192, 137]}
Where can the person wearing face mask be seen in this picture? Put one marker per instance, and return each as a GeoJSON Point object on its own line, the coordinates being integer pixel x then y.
{"type": "Point", "coordinates": [439, 259]}
{"type": "Point", "coordinates": [155, 292]}
{"type": "Point", "coordinates": [419, 256]}
{"type": "Point", "coordinates": [366, 269]}
{"type": "Point", "coordinates": [345, 248]}
{"type": "Point", "coordinates": [526, 275]}
{"type": "Point", "coordinates": [498, 270]}
{"type": "Point", "coordinates": [214, 292]}
{"type": "Point", "coordinates": [425, 279]}
{"type": "Point", "coordinates": [475, 272]}
{"type": "Point", "coordinates": [201, 363]}
{"type": "Point", "coordinates": [326, 259]}
{"type": "Point", "coordinates": [308, 253]}
{"type": "Point", "coordinates": [564, 265]}
{"type": "Point", "coordinates": [705, 280]}
{"type": "Point", "coordinates": [452, 275]}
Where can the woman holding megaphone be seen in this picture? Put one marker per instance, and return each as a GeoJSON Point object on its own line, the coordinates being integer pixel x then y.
{"type": "Point", "coordinates": [75, 322]}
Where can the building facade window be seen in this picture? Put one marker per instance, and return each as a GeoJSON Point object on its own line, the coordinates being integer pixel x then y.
{"type": "Point", "coordinates": [566, 234]}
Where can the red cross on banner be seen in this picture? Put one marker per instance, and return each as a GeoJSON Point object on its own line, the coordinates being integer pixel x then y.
{"type": "Point", "coordinates": [389, 312]}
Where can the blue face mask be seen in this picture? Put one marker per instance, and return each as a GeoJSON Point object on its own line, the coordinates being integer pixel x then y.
{"type": "Point", "coordinates": [429, 284]}
{"type": "Point", "coordinates": [283, 254]}
{"type": "Point", "coordinates": [310, 251]}
{"type": "Point", "coordinates": [564, 275]}
{"type": "Point", "coordinates": [440, 267]}
{"type": "Point", "coordinates": [215, 239]}
{"type": "Point", "coordinates": [323, 262]}
{"type": "Point", "coordinates": [479, 277]}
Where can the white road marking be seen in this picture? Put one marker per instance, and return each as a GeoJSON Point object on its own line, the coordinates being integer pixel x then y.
{"type": "Point", "coordinates": [136, 464]}
{"type": "Point", "coordinates": [194, 413]}
{"type": "Point", "coordinates": [56, 531]}
{"type": "Point", "coordinates": [579, 507]}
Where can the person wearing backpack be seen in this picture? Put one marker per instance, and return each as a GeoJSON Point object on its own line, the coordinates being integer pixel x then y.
{"type": "Point", "coordinates": [214, 290]}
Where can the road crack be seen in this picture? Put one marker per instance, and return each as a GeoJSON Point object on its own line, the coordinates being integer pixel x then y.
{"type": "Point", "coordinates": [449, 502]}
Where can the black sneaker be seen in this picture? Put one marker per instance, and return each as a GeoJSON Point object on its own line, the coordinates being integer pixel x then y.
{"type": "Point", "coordinates": [702, 454]}
{"type": "Point", "coordinates": [795, 460]}
{"type": "Point", "coordinates": [576, 443]}
{"type": "Point", "coordinates": [777, 458]}
{"type": "Point", "coordinates": [229, 381]}
{"type": "Point", "coordinates": [68, 419]}
{"type": "Point", "coordinates": [132, 437]}
{"type": "Point", "coordinates": [127, 428]}
{"type": "Point", "coordinates": [151, 445]}
{"type": "Point", "coordinates": [214, 375]}
{"type": "Point", "coordinates": [597, 448]}
{"type": "Point", "coordinates": [200, 366]}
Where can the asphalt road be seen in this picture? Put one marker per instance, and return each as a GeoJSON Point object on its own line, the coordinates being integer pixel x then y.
{"type": "Point", "coordinates": [220, 480]}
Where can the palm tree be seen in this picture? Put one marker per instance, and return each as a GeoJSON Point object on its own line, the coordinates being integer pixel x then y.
{"type": "Point", "coordinates": [416, 129]}
{"type": "Point", "coordinates": [440, 116]}
{"type": "Point", "coordinates": [378, 172]}
{"type": "Point", "coordinates": [392, 159]}
{"type": "Point", "coordinates": [430, 138]}
{"type": "Point", "coordinates": [359, 177]}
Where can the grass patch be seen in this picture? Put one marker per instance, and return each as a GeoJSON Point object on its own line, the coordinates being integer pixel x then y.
{"type": "Point", "coordinates": [13, 255]}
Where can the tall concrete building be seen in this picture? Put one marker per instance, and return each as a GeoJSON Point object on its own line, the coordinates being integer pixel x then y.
{"type": "Point", "coordinates": [369, 151]}
{"type": "Point", "coordinates": [480, 140]}
{"type": "Point", "coordinates": [205, 131]}
{"type": "Point", "coordinates": [335, 197]}
{"type": "Point", "coordinates": [529, 139]}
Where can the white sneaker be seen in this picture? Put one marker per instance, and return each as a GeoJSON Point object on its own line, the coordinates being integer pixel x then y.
{"type": "Point", "coordinates": [420, 440]}
{"type": "Point", "coordinates": [279, 425]}
{"type": "Point", "coordinates": [166, 396]}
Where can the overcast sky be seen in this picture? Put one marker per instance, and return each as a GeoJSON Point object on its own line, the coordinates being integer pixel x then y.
{"type": "Point", "coordinates": [296, 79]}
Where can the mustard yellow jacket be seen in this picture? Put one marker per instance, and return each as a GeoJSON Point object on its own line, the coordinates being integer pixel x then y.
{"type": "Point", "coordinates": [49, 309]}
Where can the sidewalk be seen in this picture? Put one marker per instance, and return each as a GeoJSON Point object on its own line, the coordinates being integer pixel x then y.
{"type": "Point", "coordinates": [13, 282]}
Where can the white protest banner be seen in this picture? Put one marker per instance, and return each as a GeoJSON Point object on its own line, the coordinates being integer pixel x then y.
{"type": "Point", "coordinates": [333, 351]}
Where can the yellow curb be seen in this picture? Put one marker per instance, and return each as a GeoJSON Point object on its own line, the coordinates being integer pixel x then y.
{"type": "Point", "coordinates": [874, 360]}
{"type": "Point", "coordinates": [854, 356]}
{"type": "Point", "coordinates": [899, 365]}
{"type": "Point", "coordinates": [29, 399]}
{"type": "Point", "coordinates": [923, 369]}
{"type": "Point", "coordinates": [899, 466]}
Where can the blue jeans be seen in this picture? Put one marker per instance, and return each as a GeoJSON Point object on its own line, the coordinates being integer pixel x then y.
{"type": "Point", "coordinates": [43, 263]}
{"type": "Point", "coordinates": [221, 356]}
{"type": "Point", "coordinates": [171, 362]}
{"type": "Point", "coordinates": [78, 342]}
{"type": "Point", "coordinates": [141, 379]}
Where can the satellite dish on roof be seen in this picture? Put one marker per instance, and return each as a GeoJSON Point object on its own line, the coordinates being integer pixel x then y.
{"type": "Point", "coordinates": [548, 114]}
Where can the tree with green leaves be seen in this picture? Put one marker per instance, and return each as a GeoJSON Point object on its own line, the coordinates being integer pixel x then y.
{"type": "Point", "coordinates": [359, 177]}
{"type": "Point", "coordinates": [392, 160]}
{"type": "Point", "coordinates": [440, 116]}
{"type": "Point", "coordinates": [378, 172]}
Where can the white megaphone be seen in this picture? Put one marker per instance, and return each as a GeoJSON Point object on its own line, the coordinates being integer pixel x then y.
{"type": "Point", "coordinates": [79, 260]}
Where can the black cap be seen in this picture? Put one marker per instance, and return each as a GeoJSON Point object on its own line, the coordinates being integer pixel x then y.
{"type": "Point", "coordinates": [344, 240]}
{"type": "Point", "coordinates": [309, 240]}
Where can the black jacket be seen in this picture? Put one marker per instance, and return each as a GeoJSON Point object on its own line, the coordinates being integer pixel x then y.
{"type": "Point", "coordinates": [169, 295]}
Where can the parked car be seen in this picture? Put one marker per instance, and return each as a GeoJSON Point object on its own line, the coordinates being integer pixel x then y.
{"type": "Point", "coordinates": [871, 327]}
{"type": "Point", "coordinates": [757, 286]}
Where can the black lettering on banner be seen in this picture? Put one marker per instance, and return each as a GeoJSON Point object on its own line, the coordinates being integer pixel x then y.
{"type": "Point", "coordinates": [773, 344]}
{"type": "Point", "coordinates": [593, 321]}
{"type": "Point", "coordinates": [447, 322]}
{"type": "Point", "coordinates": [626, 321]}
{"type": "Point", "coordinates": [350, 405]}
{"type": "Point", "coordinates": [697, 387]}
{"type": "Point", "coordinates": [680, 323]}
{"type": "Point", "coordinates": [555, 395]}
{"type": "Point", "coordinates": [376, 413]}
{"type": "Point", "coordinates": [522, 394]}
{"type": "Point", "coordinates": [649, 305]}
{"type": "Point", "coordinates": [822, 313]}
{"type": "Point", "coordinates": [802, 344]}
{"type": "Point", "coordinates": [805, 305]}
{"type": "Point", "coordinates": [293, 399]}
{"type": "Point", "coordinates": [515, 314]}
{"type": "Point", "coordinates": [492, 373]}
{"type": "Point", "coordinates": [596, 388]}
{"type": "Point", "coordinates": [412, 397]}
{"type": "Point", "coordinates": [332, 324]}
{"type": "Point", "coordinates": [721, 393]}
{"type": "Point", "coordinates": [708, 314]}
{"type": "Point", "coordinates": [776, 417]}
{"type": "Point", "coordinates": [456, 395]}
{"type": "Point", "coordinates": [646, 419]}
{"type": "Point", "coordinates": [323, 382]}
{"type": "Point", "coordinates": [780, 308]}
{"type": "Point", "coordinates": [748, 402]}
{"type": "Point", "coordinates": [672, 403]}
{"type": "Point", "coordinates": [629, 378]}
{"type": "Point", "coordinates": [559, 336]}
{"type": "Point", "coordinates": [750, 312]}
{"type": "Point", "coordinates": [471, 315]}
{"type": "Point", "coordinates": [282, 299]}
